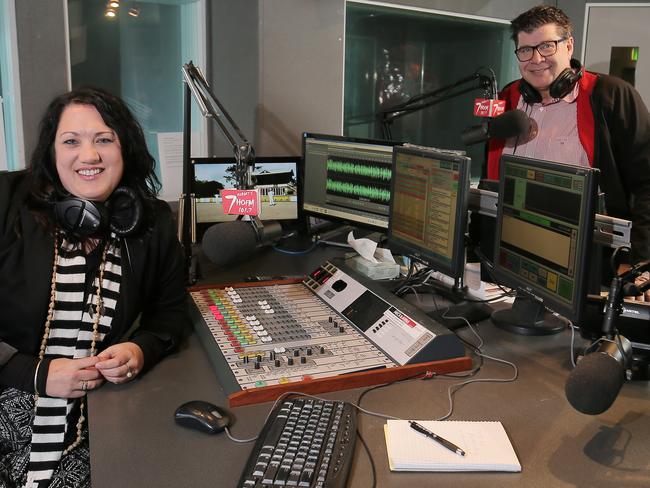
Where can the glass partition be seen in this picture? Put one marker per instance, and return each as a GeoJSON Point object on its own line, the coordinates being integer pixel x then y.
{"type": "Point", "coordinates": [394, 53]}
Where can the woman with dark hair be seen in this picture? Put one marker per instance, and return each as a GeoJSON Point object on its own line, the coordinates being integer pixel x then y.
{"type": "Point", "coordinates": [86, 250]}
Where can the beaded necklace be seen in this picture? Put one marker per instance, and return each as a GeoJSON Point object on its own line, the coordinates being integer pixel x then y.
{"type": "Point", "coordinates": [97, 316]}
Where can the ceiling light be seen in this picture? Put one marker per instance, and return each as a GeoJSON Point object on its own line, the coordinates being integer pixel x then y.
{"type": "Point", "coordinates": [110, 13]}
{"type": "Point", "coordinates": [134, 11]}
{"type": "Point", "coordinates": [114, 4]}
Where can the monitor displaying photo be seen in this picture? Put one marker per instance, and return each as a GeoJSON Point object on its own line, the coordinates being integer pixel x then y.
{"type": "Point", "coordinates": [276, 178]}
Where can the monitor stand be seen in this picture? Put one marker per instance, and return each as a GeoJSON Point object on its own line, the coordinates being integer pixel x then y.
{"type": "Point", "coordinates": [473, 312]}
{"type": "Point", "coordinates": [528, 317]}
{"type": "Point", "coordinates": [450, 317]}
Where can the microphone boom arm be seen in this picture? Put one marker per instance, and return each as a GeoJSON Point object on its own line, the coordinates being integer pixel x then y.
{"type": "Point", "coordinates": [196, 86]}
{"type": "Point", "coordinates": [417, 102]}
{"type": "Point", "coordinates": [212, 108]}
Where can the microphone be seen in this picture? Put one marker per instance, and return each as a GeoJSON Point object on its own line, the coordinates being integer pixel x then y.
{"type": "Point", "coordinates": [594, 383]}
{"type": "Point", "coordinates": [514, 123]}
{"type": "Point", "coordinates": [227, 242]}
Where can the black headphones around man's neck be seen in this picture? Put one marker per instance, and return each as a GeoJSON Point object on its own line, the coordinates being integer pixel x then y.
{"type": "Point", "coordinates": [122, 213]}
{"type": "Point", "coordinates": [560, 88]}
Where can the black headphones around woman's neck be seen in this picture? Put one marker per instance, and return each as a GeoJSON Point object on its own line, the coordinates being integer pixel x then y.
{"type": "Point", "coordinates": [560, 88]}
{"type": "Point", "coordinates": [122, 213]}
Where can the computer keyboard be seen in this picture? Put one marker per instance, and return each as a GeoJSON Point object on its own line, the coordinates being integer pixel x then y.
{"type": "Point", "coordinates": [305, 443]}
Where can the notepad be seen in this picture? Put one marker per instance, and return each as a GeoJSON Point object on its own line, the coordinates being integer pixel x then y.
{"type": "Point", "coordinates": [486, 445]}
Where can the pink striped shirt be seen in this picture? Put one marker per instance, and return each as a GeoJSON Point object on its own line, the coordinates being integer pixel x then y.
{"type": "Point", "coordinates": [554, 132]}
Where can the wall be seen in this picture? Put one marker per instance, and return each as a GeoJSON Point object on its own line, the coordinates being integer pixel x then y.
{"type": "Point", "coordinates": [233, 54]}
{"type": "Point", "coordinates": [575, 9]}
{"type": "Point", "coordinates": [42, 51]}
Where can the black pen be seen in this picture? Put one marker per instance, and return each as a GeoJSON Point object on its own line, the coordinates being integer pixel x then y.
{"type": "Point", "coordinates": [444, 442]}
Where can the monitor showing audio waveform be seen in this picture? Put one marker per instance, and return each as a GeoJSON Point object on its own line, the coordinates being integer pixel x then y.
{"type": "Point", "coordinates": [545, 224]}
{"type": "Point", "coordinates": [347, 178]}
{"type": "Point", "coordinates": [428, 213]}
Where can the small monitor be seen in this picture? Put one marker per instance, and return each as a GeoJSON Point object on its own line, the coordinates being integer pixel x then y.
{"type": "Point", "coordinates": [276, 178]}
{"type": "Point", "coordinates": [347, 179]}
{"type": "Point", "coordinates": [544, 232]}
{"type": "Point", "coordinates": [428, 211]}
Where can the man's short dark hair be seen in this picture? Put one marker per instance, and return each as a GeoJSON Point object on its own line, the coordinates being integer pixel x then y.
{"type": "Point", "coordinates": [538, 16]}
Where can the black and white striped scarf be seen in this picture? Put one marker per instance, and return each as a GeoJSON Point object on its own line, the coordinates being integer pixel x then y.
{"type": "Point", "coordinates": [71, 335]}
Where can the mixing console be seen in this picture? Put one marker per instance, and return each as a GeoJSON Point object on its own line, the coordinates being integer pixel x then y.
{"type": "Point", "coordinates": [328, 326]}
{"type": "Point", "coordinates": [281, 333]}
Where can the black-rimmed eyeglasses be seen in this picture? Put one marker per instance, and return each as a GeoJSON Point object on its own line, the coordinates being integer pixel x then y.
{"type": "Point", "coordinates": [545, 49]}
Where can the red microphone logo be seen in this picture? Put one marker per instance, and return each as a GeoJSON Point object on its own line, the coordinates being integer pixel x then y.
{"type": "Point", "coordinates": [486, 107]}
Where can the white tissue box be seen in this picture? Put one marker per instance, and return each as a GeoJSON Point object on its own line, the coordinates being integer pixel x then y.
{"type": "Point", "coordinates": [375, 271]}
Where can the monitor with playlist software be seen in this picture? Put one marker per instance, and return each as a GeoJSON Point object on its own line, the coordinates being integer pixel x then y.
{"type": "Point", "coordinates": [347, 179]}
{"type": "Point", "coordinates": [544, 229]}
{"type": "Point", "coordinates": [428, 211]}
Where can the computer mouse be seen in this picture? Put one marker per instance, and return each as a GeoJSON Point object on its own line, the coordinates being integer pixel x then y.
{"type": "Point", "coordinates": [203, 416]}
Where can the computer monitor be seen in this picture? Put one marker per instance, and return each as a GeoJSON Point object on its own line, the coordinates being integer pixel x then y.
{"type": "Point", "coordinates": [428, 210]}
{"type": "Point", "coordinates": [275, 177]}
{"type": "Point", "coordinates": [544, 232]}
{"type": "Point", "coordinates": [347, 179]}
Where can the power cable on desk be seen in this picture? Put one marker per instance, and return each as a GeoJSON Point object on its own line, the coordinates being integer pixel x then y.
{"type": "Point", "coordinates": [370, 459]}
{"type": "Point", "coordinates": [313, 246]}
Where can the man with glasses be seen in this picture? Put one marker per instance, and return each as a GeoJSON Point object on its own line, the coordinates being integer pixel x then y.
{"type": "Point", "coordinates": [579, 117]}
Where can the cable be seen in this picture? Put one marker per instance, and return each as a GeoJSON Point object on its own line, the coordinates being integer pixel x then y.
{"type": "Point", "coordinates": [298, 252]}
{"type": "Point", "coordinates": [372, 461]}
{"type": "Point", "coordinates": [242, 441]}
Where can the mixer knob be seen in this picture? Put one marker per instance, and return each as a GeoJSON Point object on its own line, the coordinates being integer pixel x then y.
{"type": "Point", "coordinates": [277, 363]}
{"type": "Point", "coordinates": [290, 361]}
{"type": "Point", "coordinates": [341, 329]}
{"type": "Point", "coordinates": [258, 358]}
{"type": "Point", "coordinates": [303, 359]}
{"type": "Point", "coordinates": [322, 350]}
{"type": "Point", "coordinates": [296, 353]}
{"type": "Point", "coordinates": [309, 351]}
{"type": "Point", "coordinates": [330, 319]}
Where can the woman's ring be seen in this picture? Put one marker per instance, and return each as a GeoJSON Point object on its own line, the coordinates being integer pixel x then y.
{"type": "Point", "coordinates": [129, 373]}
{"type": "Point", "coordinates": [84, 385]}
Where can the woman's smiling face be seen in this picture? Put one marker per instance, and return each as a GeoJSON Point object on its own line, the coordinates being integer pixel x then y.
{"type": "Point", "coordinates": [88, 153]}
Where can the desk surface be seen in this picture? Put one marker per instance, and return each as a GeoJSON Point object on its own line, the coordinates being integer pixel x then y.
{"type": "Point", "coordinates": [135, 442]}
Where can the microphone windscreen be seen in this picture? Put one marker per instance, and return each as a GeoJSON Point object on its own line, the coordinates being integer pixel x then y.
{"type": "Point", "coordinates": [593, 385]}
{"type": "Point", "coordinates": [514, 123]}
{"type": "Point", "coordinates": [226, 242]}
{"type": "Point", "coordinates": [474, 134]}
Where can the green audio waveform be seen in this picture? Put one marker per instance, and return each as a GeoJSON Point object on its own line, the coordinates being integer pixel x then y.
{"type": "Point", "coordinates": [358, 190]}
{"type": "Point", "coordinates": [359, 169]}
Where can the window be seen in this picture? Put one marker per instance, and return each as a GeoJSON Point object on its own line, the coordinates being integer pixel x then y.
{"type": "Point", "coordinates": [139, 58]}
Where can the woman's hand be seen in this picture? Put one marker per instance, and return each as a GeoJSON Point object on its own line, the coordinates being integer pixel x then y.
{"type": "Point", "coordinates": [121, 362]}
{"type": "Point", "coordinates": [71, 378]}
